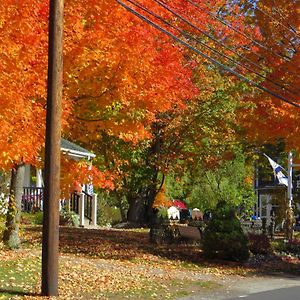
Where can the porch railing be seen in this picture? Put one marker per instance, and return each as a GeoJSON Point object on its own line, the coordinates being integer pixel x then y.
{"type": "Point", "coordinates": [74, 202]}
{"type": "Point", "coordinates": [81, 203]}
{"type": "Point", "coordinates": [88, 199]}
{"type": "Point", "coordinates": [32, 199]}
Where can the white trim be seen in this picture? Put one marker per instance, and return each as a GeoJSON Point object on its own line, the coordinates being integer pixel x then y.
{"type": "Point", "coordinates": [94, 210]}
{"type": "Point", "coordinates": [78, 153]}
{"type": "Point", "coordinates": [81, 210]}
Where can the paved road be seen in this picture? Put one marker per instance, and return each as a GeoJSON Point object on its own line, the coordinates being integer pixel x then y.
{"type": "Point", "coordinates": [292, 293]}
{"type": "Point", "coordinates": [283, 287]}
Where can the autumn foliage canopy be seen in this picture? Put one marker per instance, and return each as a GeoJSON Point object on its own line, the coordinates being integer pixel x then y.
{"type": "Point", "coordinates": [121, 75]}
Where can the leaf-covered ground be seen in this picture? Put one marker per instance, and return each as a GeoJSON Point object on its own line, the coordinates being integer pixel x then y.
{"type": "Point", "coordinates": [121, 264]}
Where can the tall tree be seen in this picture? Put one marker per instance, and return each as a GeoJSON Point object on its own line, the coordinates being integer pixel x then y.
{"type": "Point", "coordinates": [272, 118]}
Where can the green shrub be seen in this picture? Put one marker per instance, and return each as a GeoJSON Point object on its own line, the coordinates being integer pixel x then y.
{"type": "Point", "coordinates": [69, 218]}
{"type": "Point", "coordinates": [32, 218]}
{"type": "Point", "coordinates": [162, 213]}
{"type": "Point", "coordinates": [259, 244]}
{"type": "Point", "coordinates": [108, 215]}
{"type": "Point", "coordinates": [38, 218]}
{"type": "Point", "coordinates": [223, 237]}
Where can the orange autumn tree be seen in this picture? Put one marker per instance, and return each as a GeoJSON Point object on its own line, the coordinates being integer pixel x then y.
{"type": "Point", "coordinates": [119, 74]}
{"type": "Point", "coordinates": [124, 75]}
{"type": "Point", "coordinates": [77, 173]}
{"type": "Point", "coordinates": [125, 71]}
{"type": "Point", "coordinates": [115, 119]}
{"type": "Point", "coordinates": [23, 65]}
{"type": "Point", "coordinates": [93, 52]}
{"type": "Point", "coordinates": [279, 23]}
{"type": "Point", "coordinates": [122, 80]}
{"type": "Point", "coordinates": [23, 45]}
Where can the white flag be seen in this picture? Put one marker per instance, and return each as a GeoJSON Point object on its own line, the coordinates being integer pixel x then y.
{"type": "Point", "coordinates": [278, 171]}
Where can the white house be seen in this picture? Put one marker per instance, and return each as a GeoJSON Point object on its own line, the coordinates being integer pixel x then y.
{"type": "Point", "coordinates": [84, 203]}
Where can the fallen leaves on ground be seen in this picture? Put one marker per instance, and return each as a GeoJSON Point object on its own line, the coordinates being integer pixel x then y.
{"type": "Point", "coordinates": [119, 264]}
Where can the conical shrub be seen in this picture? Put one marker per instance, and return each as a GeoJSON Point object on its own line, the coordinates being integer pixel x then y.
{"type": "Point", "coordinates": [223, 237]}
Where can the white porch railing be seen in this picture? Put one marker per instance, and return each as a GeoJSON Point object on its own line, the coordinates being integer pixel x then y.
{"type": "Point", "coordinates": [83, 204]}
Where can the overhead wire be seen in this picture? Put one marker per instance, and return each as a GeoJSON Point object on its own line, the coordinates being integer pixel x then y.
{"type": "Point", "coordinates": [260, 57]}
{"type": "Point", "coordinates": [230, 48]}
{"type": "Point", "coordinates": [257, 7]}
{"type": "Point", "coordinates": [207, 57]}
{"type": "Point", "coordinates": [188, 36]}
{"type": "Point", "coordinates": [234, 49]}
{"type": "Point", "coordinates": [277, 21]}
{"type": "Point", "coordinates": [287, 34]}
{"type": "Point", "coordinates": [267, 49]}
{"type": "Point", "coordinates": [291, 27]}
{"type": "Point", "coordinates": [212, 49]}
{"type": "Point", "coordinates": [238, 30]}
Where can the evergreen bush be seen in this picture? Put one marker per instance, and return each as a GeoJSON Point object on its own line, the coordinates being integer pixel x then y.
{"type": "Point", "coordinates": [223, 237]}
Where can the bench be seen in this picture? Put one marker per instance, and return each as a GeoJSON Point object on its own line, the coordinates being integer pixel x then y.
{"type": "Point", "coordinates": [190, 232]}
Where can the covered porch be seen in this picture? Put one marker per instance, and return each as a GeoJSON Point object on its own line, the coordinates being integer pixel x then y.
{"type": "Point", "coordinates": [83, 203]}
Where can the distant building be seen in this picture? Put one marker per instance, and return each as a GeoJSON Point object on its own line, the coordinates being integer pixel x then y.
{"type": "Point", "coordinates": [272, 196]}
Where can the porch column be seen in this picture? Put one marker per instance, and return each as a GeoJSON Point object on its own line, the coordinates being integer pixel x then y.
{"type": "Point", "coordinates": [39, 178]}
{"type": "Point", "coordinates": [26, 182]}
{"type": "Point", "coordinates": [94, 210]}
{"type": "Point", "coordinates": [81, 210]}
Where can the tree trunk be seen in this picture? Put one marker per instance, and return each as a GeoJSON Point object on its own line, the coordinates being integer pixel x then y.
{"type": "Point", "coordinates": [11, 234]}
{"type": "Point", "coordinates": [123, 214]}
{"type": "Point", "coordinates": [150, 200]}
{"type": "Point", "coordinates": [140, 207]}
{"type": "Point", "coordinates": [136, 211]}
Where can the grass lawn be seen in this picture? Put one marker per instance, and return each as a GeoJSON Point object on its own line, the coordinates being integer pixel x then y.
{"type": "Point", "coordinates": [119, 264]}
{"type": "Point", "coordinates": [19, 275]}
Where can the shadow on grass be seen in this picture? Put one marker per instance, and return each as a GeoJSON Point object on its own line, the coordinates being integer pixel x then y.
{"type": "Point", "coordinates": [133, 245]}
{"type": "Point", "coordinates": [16, 293]}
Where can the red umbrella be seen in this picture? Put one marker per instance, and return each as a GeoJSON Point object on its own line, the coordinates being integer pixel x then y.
{"type": "Point", "coordinates": [179, 204]}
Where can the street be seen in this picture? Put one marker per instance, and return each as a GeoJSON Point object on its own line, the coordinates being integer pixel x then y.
{"type": "Point", "coordinates": [278, 294]}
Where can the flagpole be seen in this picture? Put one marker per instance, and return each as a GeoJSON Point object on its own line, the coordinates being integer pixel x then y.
{"type": "Point", "coordinates": [290, 179]}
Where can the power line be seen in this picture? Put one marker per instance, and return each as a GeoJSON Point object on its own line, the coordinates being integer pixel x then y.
{"type": "Point", "coordinates": [233, 49]}
{"type": "Point", "coordinates": [255, 8]}
{"type": "Point", "coordinates": [275, 20]}
{"type": "Point", "coordinates": [166, 6]}
{"type": "Point", "coordinates": [210, 48]}
{"type": "Point", "coordinates": [291, 27]}
{"type": "Point", "coordinates": [260, 57]}
{"type": "Point", "coordinates": [238, 30]}
{"type": "Point", "coordinates": [210, 59]}
{"type": "Point", "coordinates": [288, 34]}
{"type": "Point", "coordinates": [190, 37]}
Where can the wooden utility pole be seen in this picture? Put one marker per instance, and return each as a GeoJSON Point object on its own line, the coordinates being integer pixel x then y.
{"type": "Point", "coordinates": [52, 152]}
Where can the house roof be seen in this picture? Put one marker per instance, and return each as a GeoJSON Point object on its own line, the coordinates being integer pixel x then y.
{"type": "Point", "coordinates": [75, 150]}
